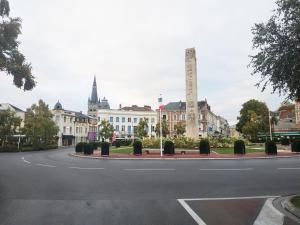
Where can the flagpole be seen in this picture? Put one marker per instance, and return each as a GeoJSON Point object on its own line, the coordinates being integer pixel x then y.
{"type": "Point", "coordinates": [160, 124]}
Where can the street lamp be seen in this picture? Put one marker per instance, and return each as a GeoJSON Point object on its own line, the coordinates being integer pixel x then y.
{"type": "Point", "coordinates": [160, 105]}
{"type": "Point", "coordinates": [270, 125]}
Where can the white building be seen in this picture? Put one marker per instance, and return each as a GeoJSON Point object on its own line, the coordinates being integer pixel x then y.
{"type": "Point", "coordinates": [19, 112]}
{"type": "Point", "coordinates": [125, 120]}
{"type": "Point", "coordinates": [74, 127]}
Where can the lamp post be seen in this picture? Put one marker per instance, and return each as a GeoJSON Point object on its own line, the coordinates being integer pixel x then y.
{"type": "Point", "coordinates": [160, 100]}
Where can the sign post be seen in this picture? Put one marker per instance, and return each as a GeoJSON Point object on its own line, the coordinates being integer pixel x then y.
{"type": "Point", "coordinates": [160, 100]}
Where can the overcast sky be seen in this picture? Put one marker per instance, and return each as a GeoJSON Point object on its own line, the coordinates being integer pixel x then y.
{"type": "Point", "coordinates": [136, 50]}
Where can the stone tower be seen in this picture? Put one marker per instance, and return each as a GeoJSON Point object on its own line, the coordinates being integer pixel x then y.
{"type": "Point", "coordinates": [297, 112]}
{"type": "Point", "coordinates": [192, 123]}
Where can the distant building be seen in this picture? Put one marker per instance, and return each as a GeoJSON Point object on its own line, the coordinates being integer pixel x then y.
{"type": "Point", "coordinates": [19, 112]}
{"type": "Point", "coordinates": [124, 119]}
{"type": "Point", "coordinates": [209, 123]}
{"type": "Point", "coordinates": [234, 133]}
{"type": "Point", "coordinates": [74, 127]}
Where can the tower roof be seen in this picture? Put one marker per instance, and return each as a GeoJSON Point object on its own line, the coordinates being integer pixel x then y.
{"type": "Point", "coordinates": [94, 95]}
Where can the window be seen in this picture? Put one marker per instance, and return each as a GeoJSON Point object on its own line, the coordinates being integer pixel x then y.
{"type": "Point", "coordinates": [129, 129]}
{"type": "Point", "coordinates": [117, 127]}
{"type": "Point", "coordinates": [117, 119]}
{"type": "Point", "coordinates": [70, 130]}
{"type": "Point", "coordinates": [99, 118]}
{"type": "Point", "coordinates": [135, 120]}
{"type": "Point", "coordinates": [164, 117]}
{"type": "Point", "coordinates": [65, 118]}
{"type": "Point", "coordinates": [175, 117]}
{"type": "Point", "coordinates": [70, 119]}
{"type": "Point", "coordinates": [76, 130]}
{"type": "Point", "coordinates": [57, 118]}
{"type": "Point", "coordinates": [152, 120]}
{"type": "Point", "coordinates": [183, 116]}
{"type": "Point", "coordinates": [123, 128]}
{"type": "Point", "coordinates": [111, 119]}
{"type": "Point", "coordinates": [123, 119]}
{"type": "Point", "coordinates": [129, 120]}
{"type": "Point", "coordinates": [64, 129]}
{"type": "Point", "coordinates": [85, 130]}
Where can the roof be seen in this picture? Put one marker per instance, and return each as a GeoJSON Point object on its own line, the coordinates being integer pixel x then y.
{"type": "Point", "coordinates": [12, 106]}
{"type": "Point", "coordinates": [182, 105]}
{"type": "Point", "coordinates": [137, 108]}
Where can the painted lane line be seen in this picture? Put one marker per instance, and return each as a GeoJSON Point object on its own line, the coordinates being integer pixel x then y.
{"type": "Point", "coordinates": [269, 215]}
{"type": "Point", "coordinates": [296, 168]}
{"type": "Point", "coordinates": [45, 165]}
{"type": "Point", "coordinates": [235, 169]}
{"type": "Point", "coordinates": [192, 213]}
{"type": "Point", "coordinates": [85, 168]}
{"type": "Point", "coordinates": [25, 161]}
{"type": "Point", "coordinates": [230, 198]}
{"type": "Point", "coordinates": [149, 169]}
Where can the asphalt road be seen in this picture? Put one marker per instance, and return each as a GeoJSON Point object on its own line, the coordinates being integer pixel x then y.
{"type": "Point", "coordinates": [52, 188]}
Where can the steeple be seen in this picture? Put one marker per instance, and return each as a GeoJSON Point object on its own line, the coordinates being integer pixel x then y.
{"type": "Point", "coordinates": [94, 96]}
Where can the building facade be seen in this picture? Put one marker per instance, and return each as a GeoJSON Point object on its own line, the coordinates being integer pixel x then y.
{"type": "Point", "coordinates": [18, 112]}
{"type": "Point", "coordinates": [209, 123]}
{"type": "Point", "coordinates": [74, 127]}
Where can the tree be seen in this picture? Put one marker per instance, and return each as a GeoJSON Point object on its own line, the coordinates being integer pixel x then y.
{"type": "Point", "coordinates": [39, 126]}
{"type": "Point", "coordinates": [165, 128]}
{"type": "Point", "coordinates": [278, 46]}
{"type": "Point", "coordinates": [106, 130]}
{"type": "Point", "coordinates": [180, 128]}
{"type": "Point", "coordinates": [254, 118]}
{"type": "Point", "coordinates": [142, 128]}
{"type": "Point", "coordinates": [13, 62]}
{"type": "Point", "coordinates": [8, 124]}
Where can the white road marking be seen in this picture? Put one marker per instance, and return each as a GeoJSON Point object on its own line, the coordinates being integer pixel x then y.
{"type": "Point", "coordinates": [267, 221]}
{"type": "Point", "coordinates": [229, 198]}
{"type": "Point", "coordinates": [24, 160]}
{"type": "Point", "coordinates": [234, 169]}
{"type": "Point", "coordinates": [85, 168]}
{"type": "Point", "coordinates": [45, 165]}
{"type": "Point", "coordinates": [296, 168]}
{"type": "Point", "coordinates": [269, 215]}
{"type": "Point", "coordinates": [192, 213]}
{"type": "Point", "coordinates": [149, 169]}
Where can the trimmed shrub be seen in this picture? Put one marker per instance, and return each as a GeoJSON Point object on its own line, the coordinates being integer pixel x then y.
{"type": "Point", "coordinates": [88, 148]}
{"type": "Point", "coordinates": [285, 141]}
{"type": "Point", "coordinates": [94, 145]}
{"type": "Point", "coordinates": [118, 143]}
{"type": "Point", "coordinates": [204, 147]}
{"type": "Point", "coordinates": [137, 147]}
{"type": "Point", "coordinates": [79, 147]}
{"type": "Point", "coordinates": [271, 148]}
{"type": "Point", "coordinates": [239, 147]}
{"type": "Point", "coordinates": [296, 146]}
{"type": "Point", "coordinates": [169, 148]}
{"type": "Point", "coordinates": [104, 149]}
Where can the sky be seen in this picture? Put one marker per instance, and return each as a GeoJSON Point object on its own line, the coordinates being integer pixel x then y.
{"type": "Point", "coordinates": [136, 50]}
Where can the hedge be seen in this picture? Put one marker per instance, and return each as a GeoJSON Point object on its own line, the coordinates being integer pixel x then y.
{"type": "Point", "coordinates": [13, 148]}
{"type": "Point", "coordinates": [169, 148]}
{"type": "Point", "coordinates": [118, 143]}
{"type": "Point", "coordinates": [271, 148]}
{"type": "Point", "coordinates": [137, 147]}
{"type": "Point", "coordinates": [104, 149]}
{"type": "Point", "coordinates": [79, 147]}
{"type": "Point", "coordinates": [204, 147]}
{"type": "Point", "coordinates": [296, 146]}
{"type": "Point", "coordinates": [285, 141]}
{"type": "Point", "coordinates": [239, 147]}
{"type": "Point", "coordinates": [88, 148]}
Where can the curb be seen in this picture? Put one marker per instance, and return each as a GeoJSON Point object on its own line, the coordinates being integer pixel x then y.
{"type": "Point", "coordinates": [129, 158]}
{"type": "Point", "coordinates": [288, 205]}
{"type": "Point", "coordinates": [282, 204]}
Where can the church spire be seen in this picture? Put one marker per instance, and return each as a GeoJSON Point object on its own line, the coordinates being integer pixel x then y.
{"type": "Point", "coordinates": [94, 96]}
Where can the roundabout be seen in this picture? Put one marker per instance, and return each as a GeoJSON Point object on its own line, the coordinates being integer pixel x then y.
{"type": "Point", "coordinates": [52, 187]}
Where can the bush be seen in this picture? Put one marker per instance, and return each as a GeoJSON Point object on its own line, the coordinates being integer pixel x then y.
{"type": "Point", "coordinates": [118, 143]}
{"type": "Point", "coordinates": [169, 148]}
{"type": "Point", "coordinates": [104, 149]}
{"type": "Point", "coordinates": [296, 146]}
{"type": "Point", "coordinates": [94, 145]}
{"type": "Point", "coordinates": [88, 148]}
{"type": "Point", "coordinates": [271, 148]}
{"type": "Point", "coordinates": [285, 141]}
{"type": "Point", "coordinates": [204, 147]}
{"type": "Point", "coordinates": [79, 147]}
{"type": "Point", "coordinates": [239, 147]}
{"type": "Point", "coordinates": [137, 147]}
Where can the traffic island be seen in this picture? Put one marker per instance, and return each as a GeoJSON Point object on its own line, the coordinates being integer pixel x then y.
{"type": "Point", "coordinates": [292, 205]}
{"type": "Point", "coordinates": [149, 154]}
